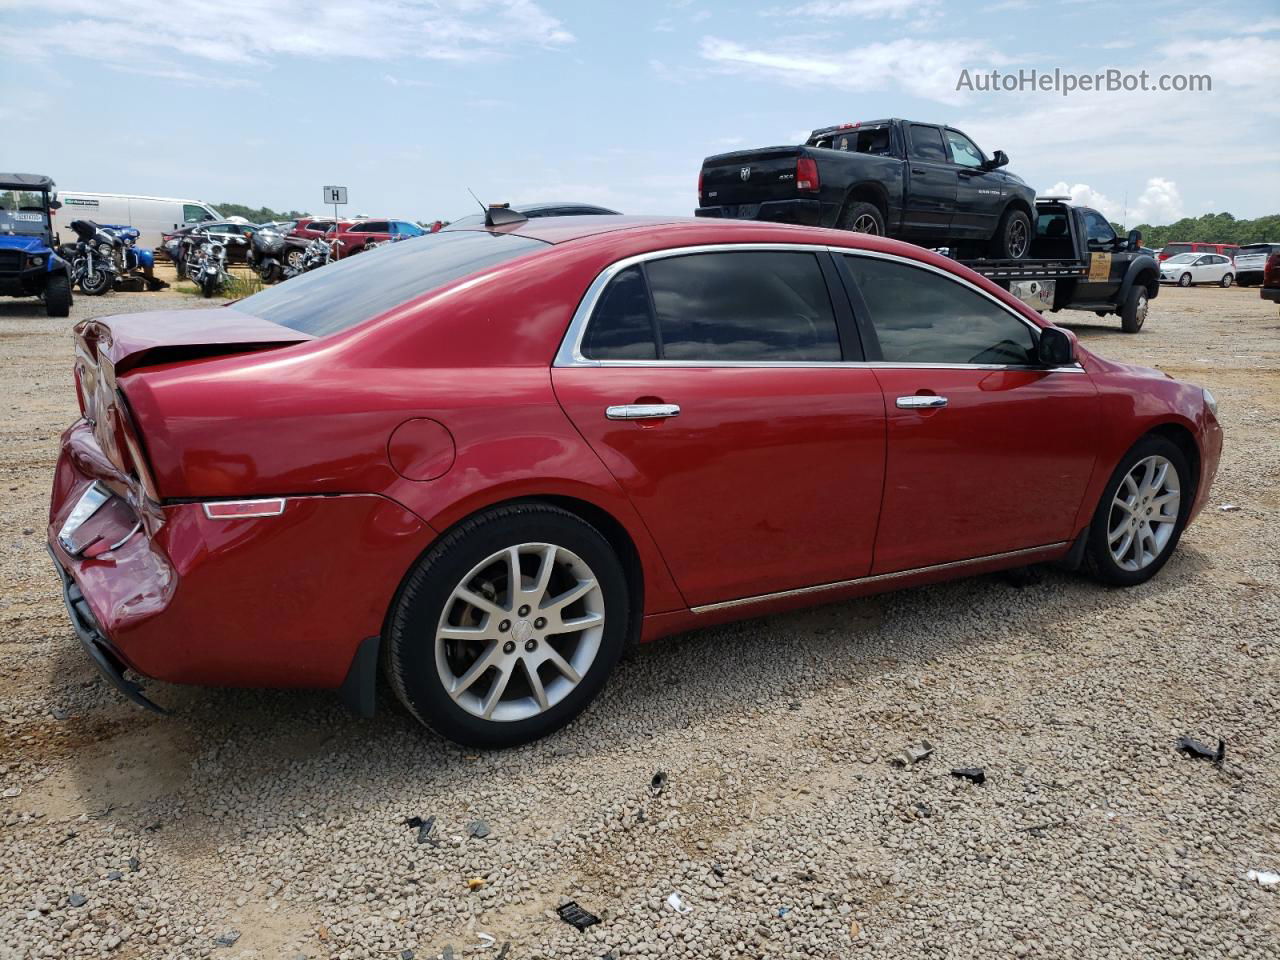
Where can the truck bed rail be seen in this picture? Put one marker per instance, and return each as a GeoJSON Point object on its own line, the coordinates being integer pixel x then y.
{"type": "Point", "coordinates": [1028, 269]}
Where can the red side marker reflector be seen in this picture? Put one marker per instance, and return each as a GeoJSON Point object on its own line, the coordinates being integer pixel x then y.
{"type": "Point", "coordinates": [239, 509]}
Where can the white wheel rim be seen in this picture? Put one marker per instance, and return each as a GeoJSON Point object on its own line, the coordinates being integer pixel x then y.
{"type": "Point", "coordinates": [1144, 513]}
{"type": "Point", "coordinates": [507, 654]}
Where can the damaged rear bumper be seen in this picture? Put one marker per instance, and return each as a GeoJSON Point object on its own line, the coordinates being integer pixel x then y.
{"type": "Point", "coordinates": [95, 642]}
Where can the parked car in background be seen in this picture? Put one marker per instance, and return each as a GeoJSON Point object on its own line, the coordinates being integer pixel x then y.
{"type": "Point", "coordinates": [1173, 249]}
{"type": "Point", "coordinates": [1187, 269]}
{"type": "Point", "coordinates": [532, 211]}
{"type": "Point", "coordinates": [311, 228]}
{"type": "Point", "coordinates": [152, 217]}
{"type": "Point", "coordinates": [1271, 279]}
{"type": "Point", "coordinates": [496, 517]}
{"type": "Point", "coordinates": [353, 237]}
{"type": "Point", "coordinates": [1251, 262]}
{"type": "Point", "coordinates": [921, 182]}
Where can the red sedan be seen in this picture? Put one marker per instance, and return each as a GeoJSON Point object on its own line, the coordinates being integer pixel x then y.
{"type": "Point", "coordinates": [487, 460]}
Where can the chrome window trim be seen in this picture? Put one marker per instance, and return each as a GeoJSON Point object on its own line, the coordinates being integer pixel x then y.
{"type": "Point", "coordinates": [570, 353]}
{"type": "Point", "coordinates": [877, 578]}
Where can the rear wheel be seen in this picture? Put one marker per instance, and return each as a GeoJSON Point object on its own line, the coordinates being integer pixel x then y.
{"type": "Point", "coordinates": [509, 626]}
{"type": "Point", "coordinates": [1227, 280]}
{"type": "Point", "coordinates": [1013, 237]}
{"type": "Point", "coordinates": [1141, 515]}
{"type": "Point", "coordinates": [57, 295]}
{"type": "Point", "coordinates": [1133, 314]}
{"type": "Point", "coordinates": [862, 217]}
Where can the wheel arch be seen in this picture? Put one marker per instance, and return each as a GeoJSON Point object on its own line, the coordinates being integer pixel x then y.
{"type": "Point", "coordinates": [1019, 203]}
{"type": "Point", "coordinates": [1182, 437]}
{"type": "Point", "coordinates": [867, 191]}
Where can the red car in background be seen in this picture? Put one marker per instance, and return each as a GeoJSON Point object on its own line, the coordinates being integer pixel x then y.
{"type": "Point", "coordinates": [1227, 250]}
{"type": "Point", "coordinates": [489, 460]}
{"type": "Point", "coordinates": [310, 228]}
{"type": "Point", "coordinates": [355, 236]}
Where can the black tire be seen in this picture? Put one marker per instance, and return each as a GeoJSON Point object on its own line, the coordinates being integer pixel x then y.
{"type": "Point", "coordinates": [862, 217]}
{"type": "Point", "coordinates": [1184, 280]}
{"type": "Point", "coordinates": [1133, 312]}
{"type": "Point", "coordinates": [208, 286]}
{"type": "Point", "coordinates": [1012, 240]}
{"type": "Point", "coordinates": [409, 652]}
{"type": "Point", "coordinates": [96, 284]}
{"type": "Point", "coordinates": [1226, 280]}
{"type": "Point", "coordinates": [1098, 561]}
{"type": "Point", "coordinates": [57, 295]}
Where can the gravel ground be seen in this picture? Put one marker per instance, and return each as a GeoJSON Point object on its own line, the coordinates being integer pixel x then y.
{"type": "Point", "coordinates": [275, 821]}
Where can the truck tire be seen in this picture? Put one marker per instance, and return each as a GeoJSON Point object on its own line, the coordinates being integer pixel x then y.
{"type": "Point", "coordinates": [57, 295]}
{"type": "Point", "coordinates": [1133, 313]}
{"type": "Point", "coordinates": [1013, 237]}
{"type": "Point", "coordinates": [862, 217]}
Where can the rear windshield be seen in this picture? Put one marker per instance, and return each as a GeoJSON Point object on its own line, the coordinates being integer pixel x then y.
{"type": "Point", "coordinates": [1258, 248]}
{"type": "Point", "coordinates": [1172, 248]}
{"type": "Point", "coordinates": [340, 295]}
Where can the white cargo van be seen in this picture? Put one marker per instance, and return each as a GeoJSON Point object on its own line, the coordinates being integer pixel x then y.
{"type": "Point", "coordinates": [152, 216]}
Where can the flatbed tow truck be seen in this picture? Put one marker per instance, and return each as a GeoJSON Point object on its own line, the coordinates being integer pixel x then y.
{"type": "Point", "coordinates": [1078, 262]}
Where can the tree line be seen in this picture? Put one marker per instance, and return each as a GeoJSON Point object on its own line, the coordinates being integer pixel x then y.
{"type": "Point", "coordinates": [1210, 228]}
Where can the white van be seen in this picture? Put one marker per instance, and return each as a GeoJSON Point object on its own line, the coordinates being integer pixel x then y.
{"type": "Point", "coordinates": [151, 216]}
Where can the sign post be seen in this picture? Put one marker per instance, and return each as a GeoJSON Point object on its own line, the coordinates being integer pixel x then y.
{"type": "Point", "coordinates": [335, 196]}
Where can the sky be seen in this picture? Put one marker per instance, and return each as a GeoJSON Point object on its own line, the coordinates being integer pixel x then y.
{"type": "Point", "coordinates": [408, 103]}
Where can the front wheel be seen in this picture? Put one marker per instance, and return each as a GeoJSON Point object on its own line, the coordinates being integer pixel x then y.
{"type": "Point", "coordinates": [1141, 515]}
{"type": "Point", "coordinates": [208, 286]}
{"type": "Point", "coordinates": [97, 283]}
{"type": "Point", "coordinates": [509, 626]}
{"type": "Point", "coordinates": [1133, 313]}
{"type": "Point", "coordinates": [57, 295]}
{"type": "Point", "coordinates": [1013, 237]}
{"type": "Point", "coordinates": [862, 217]}
{"type": "Point", "coordinates": [1227, 280]}
{"type": "Point", "coordinates": [1184, 280]}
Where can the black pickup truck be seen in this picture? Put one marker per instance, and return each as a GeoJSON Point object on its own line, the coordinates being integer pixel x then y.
{"type": "Point", "coordinates": [1078, 262]}
{"type": "Point", "coordinates": [921, 182]}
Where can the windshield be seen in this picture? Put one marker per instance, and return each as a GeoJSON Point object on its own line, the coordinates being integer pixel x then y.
{"type": "Point", "coordinates": [1183, 258]}
{"type": "Point", "coordinates": [24, 212]}
{"type": "Point", "coordinates": [1177, 248]}
{"type": "Point", "coordinates": [343, 294]}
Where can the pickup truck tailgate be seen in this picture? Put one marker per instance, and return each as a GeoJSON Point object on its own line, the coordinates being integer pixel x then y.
{"type": "Point", "coordinates": [750, 176]}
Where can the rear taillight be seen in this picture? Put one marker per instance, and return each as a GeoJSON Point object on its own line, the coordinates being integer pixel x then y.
{"type": "Point", "coordinates": [807, 174]}
{"type": "Point", "coordinates": [699, 186]}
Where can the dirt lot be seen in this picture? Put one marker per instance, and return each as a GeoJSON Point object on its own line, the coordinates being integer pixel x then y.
{"type": "Point", "coordinates": [275, 821]}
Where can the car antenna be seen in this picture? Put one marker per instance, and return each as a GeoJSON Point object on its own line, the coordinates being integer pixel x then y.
{"type": "Point", "coordinates": [498, 214]}
{"type": "Point", "coordinates": [477, 199]}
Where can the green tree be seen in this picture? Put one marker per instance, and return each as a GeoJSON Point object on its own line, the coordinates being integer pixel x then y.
{"type": "Point", "coordinates": [256, 214]}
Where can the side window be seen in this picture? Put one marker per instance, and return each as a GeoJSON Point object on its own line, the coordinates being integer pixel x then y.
{"type": "Point", "coordinates": [922, 317]}
{"type": "Point", "coordinates": [621, 327]}
{"type": "Point", "coordinates": [194, 213]}
{"type": "Point", "coordinates": [409, 229]}
{"type": "Point", "coordinates": [963, 150]}
{"type": "Point", "coordinates": [926, 143]}
{"type": "Point", "coordinates": [373, 226]}
{"type": "Point", "coordinates": [747, 305]}
{"type": "Point", "coordinates": [1097, 228]}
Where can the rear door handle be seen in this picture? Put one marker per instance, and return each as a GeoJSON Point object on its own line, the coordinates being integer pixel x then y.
{"type": "Point", "coordinates": [921, 402]}
{"type": "Point", "coordinates": [642, 411]}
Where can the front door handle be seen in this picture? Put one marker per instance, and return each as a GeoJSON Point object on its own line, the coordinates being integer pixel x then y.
{"type": "Point", "coordinates": [921, 402]}
{"type": "Point", "coordinates": [642, 411]}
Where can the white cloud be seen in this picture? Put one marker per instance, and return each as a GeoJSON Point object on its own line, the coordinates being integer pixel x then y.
{"type": "Point", "coordinates": [1160, 202]}
{"type": "Point", "coordinates": [920, 67]}
{"type": "Point", "coordinates": [236, 34]}
{"type": "Point", "coordinates": [865, 9]}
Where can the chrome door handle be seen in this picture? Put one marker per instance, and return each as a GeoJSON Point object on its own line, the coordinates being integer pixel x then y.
{"type": "Point", "coordinates": [921, 402]}
{"type": "Point", "coordinates": [642, 411]}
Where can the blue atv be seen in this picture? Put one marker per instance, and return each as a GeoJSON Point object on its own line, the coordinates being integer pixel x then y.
{"type": "Point", "coordinates": [29, 263]}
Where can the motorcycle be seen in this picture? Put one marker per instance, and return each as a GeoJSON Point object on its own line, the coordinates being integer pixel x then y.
{"type": "Point", "coordinates": [315, 254]}
{"type": "Point", "coordinates": [206, 264]}
{"type": "Point", "coordinates": [95, 263]}
{"type": "Point", "coordinates": [266, 255]}
{"type": "Point", "coordinates": [134, 264]}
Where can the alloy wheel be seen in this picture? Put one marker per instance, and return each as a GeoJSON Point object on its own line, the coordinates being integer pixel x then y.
{"type": "Point", "coordinates": [1144, 513]}
{"type": "Point", "coordinates": [519, 632]}
{"type": "Point", "coordinates": [866, 224]}
{"type": "Point", "coordinates": [1140, 314]}
{"type": "Point", "coordinates": [1017, 239]}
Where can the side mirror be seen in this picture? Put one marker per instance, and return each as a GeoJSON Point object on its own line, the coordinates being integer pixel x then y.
{"type": "Point", "coordinates": [998, 159]}
{"type": "Point", "coordinates": [1055, 348]}
{"type": "Point", "coordinates": [1135, 239]}
{"type": "Point", "coordinates": [55, 204]}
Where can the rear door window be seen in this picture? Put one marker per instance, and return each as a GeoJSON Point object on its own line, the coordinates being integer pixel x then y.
{"type": "Point", "coordinates": [921, 317]}
{"type": "Point", "coordinates": [743, 306]}
{"type": "Point", "coordinates": [926, 143]}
